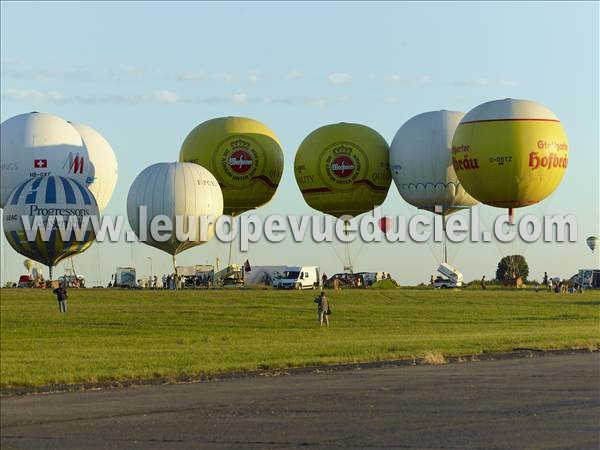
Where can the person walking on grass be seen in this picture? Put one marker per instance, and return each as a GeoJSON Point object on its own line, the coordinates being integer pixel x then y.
{"type": "Point", "coordinates": [323, 310]}
{"type": "Point", "coordinates": [483, 283]}
{"type": "Point", "coordinates": [61, 296]}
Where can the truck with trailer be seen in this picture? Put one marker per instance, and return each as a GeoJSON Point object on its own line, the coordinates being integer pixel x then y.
{"type": "Point", "coordinates": [125, 277]}
{"type": "Point", "coordinates": [451, 278]}
{"type": "Point", "coordinates": [263, 275]}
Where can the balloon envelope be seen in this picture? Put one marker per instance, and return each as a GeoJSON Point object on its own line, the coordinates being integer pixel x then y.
{"type": "Point", "coordinates": [40, 144]}
{"type": "Point", "coordinates": [45, 197]}
{"type": "Point", "coordinates": [510, 153]}
{"type": "Point", "coordinates": [593, 243]}
{"type": "Point", "coordinates": [103, 161]}
{"type": "Point", "coordinates": [28, 264]}
{"type": "Point", "coordinates": [421, 163]}
{"type": "Point", "coordinates": [385, 224]}
{"type": "Point", "coordinates": [343, 169]}
{"type": "Point", "coordinates": [243, 154]}
{"type": "Point", "coordinates": [173, 189]}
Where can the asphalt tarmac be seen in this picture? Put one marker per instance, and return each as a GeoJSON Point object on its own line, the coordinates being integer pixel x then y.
{"type": "Point", "coordinates": [547, 402]}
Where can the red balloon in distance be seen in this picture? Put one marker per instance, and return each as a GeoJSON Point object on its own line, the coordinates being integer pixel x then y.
{"type": "Point", "coordinates": [385, 223]}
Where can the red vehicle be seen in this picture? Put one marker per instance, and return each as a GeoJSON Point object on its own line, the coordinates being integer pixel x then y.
{"type": "Point", "coordinates": [25, 281]}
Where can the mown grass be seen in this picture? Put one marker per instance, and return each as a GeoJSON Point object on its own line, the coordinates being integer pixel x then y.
{"type": "Point", "coordinates": [114, 334]}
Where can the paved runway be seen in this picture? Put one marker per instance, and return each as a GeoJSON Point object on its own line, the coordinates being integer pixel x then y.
{"type": "Point", "coordinates": [542, 402]}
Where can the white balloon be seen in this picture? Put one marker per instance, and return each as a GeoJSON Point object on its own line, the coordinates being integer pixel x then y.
{"type": "Point", "coordinates": [104, 163]}
{"type": "Point", "coordinates": [40, 144]}
{"type": "Point", "coordinates": [421, 162]}
{"type": "Point", "coordinates": [174, 189]}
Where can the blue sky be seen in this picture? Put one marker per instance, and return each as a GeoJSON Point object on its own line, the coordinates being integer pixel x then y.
{"type": "Point", "coordinates": [144, 74]}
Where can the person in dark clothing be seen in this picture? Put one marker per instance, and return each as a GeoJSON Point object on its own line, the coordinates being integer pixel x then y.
{"type": "Point", "coordinates": [323, 309]}
{"type": "Point", "coordinates": [61, 296]}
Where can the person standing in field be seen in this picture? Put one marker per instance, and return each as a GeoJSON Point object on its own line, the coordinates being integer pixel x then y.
{"type": "Point", "coordinates": [545, 281]}
{"type": "Point", "coordinates": [323, 280]}
{"type": "Point", "coordinates": [323, 309]}
{"type": "Point", "coordinates": [432, 282]}
{"type": "Point", "coordinates": [483, 283]}
{"type": "Point", "coordinates": [61, 296]}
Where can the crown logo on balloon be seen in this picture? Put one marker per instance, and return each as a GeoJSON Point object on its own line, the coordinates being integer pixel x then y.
{"type": "Point", "coordinates": [240, 143]}
{"type": "Point", "coordinates": [342, 149]}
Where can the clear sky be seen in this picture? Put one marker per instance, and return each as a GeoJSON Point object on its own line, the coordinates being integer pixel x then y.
{"type": "Point", "coordinates": [144, 74]}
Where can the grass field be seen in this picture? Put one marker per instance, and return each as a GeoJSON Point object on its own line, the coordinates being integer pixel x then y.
{"type": "Point", "coordinates": [114, 334]}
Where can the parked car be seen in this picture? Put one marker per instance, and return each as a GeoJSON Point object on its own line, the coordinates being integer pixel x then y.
{"type": "Point", "coordinates": [347, 280]}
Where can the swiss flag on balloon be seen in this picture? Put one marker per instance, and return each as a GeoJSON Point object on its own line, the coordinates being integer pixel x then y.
{"type": "Point", "coordinates": [40, 163]}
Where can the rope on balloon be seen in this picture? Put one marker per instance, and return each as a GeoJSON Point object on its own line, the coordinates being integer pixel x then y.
{"type": "Point", "coordinates": [131, 253]}
{"type": "Point", "coordinates": [503, 254]}
{"type": "Point", "coordinates": [340, 258]}
{"type": "Point", "coordinates": [488, 229]}
{"type": "Point", "coordinates": [459, 246]}
{"type": "Point", "coordinates": [409, 213]}
{"type": "Point", "coordinates": [542, 208]}
{"type": "Point", "coordinates": [348, 248]}
{"type": "Point", "coordinates": [100, 283]}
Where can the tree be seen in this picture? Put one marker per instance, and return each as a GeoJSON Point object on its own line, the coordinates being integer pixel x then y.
{"type": "Point", "coordinates": [512, 267]}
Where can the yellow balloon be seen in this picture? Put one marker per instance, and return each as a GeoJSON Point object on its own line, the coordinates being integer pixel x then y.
{"type": "Point", "coordinates": [243, 154]}
{"type": "Point", "coordinates": [343, 169]}
{"type": "Point", "coordinates": [28, 264]}
{"type": "Point", "coordinates": [510, 153]}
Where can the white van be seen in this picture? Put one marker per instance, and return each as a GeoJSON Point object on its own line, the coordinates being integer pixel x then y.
{"type": "Point", "coordinates": [298, 277]}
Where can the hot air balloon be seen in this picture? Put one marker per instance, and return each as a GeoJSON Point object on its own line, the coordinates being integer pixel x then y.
{"type": "Point", "coordinates": [510, 153]}
{"type": "Point", "coordinates": [385, 224]}
{"type": "Point", "coordinates": [593, 242]}
{"type": "Point", "coordinates": [45, 197]}
{"type": "Point", "coordinates": [173, 189]}
{"type": "Point", "coordinates": [243, 154]}
{"type": "Point", "coordinates": [104, 162]}
{"type": "Point", "coordinates": [421, 164]}
{"type": "Point", "coordinates": [343, 169]}
{"type": "Point", "coordinates": [28, 264]}
{"type": "Point", "coordinates": [39, 144]}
